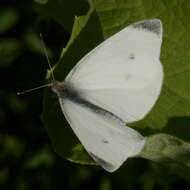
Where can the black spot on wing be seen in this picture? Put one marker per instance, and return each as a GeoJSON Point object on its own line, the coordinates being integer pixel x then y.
{"type": "Point", "coordinates": [153, 25]}
{"type": "Point", "coordinates": [106, 165]}
{"type": "Point", "coordinates": [105, 141]}
{"type": "Point", "coordinates": [132, 56]}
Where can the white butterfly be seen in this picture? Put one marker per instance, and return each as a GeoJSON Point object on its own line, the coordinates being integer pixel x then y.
{"type": "Point", "coordinates": [117, 82]}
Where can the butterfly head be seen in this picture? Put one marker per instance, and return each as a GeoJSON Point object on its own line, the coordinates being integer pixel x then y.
{"type": "Point", "coordinates": [57, 87]}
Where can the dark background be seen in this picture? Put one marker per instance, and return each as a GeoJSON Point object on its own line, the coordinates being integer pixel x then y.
{"type": "Point", "coordinates": [27, 159]}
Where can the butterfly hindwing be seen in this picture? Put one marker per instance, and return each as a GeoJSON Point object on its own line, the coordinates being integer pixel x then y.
{"type": "Point", "coordinates": [104, 135]}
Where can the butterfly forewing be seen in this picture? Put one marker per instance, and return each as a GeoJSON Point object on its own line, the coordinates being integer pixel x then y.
{"type": "Point", "coordinates": [123, 74]}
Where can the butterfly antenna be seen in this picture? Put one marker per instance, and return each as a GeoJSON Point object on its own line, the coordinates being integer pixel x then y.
{"type": "Point", "coordinates": [49, 64]}
{"type": "Point", "coordinates": [46, 55]}
{"type": "Point", "coordinates": [32, 89]}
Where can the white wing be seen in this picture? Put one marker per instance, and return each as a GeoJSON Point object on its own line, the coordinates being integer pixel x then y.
{"type": "Point", "coordinates": [123, 74]}
{"type": "Point", "coordinates": [103, 135]}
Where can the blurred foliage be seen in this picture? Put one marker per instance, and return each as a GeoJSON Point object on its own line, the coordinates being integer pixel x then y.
{"type": "Point", "coordinates": [27, 160]}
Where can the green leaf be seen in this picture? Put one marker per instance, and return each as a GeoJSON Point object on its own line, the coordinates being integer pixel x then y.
{"type": "Point", "coordinates": [172, 110]}
{"type": "Point", "coordinates": [170, 151]}
{"type": "Point", "coordinates": [10, 49]}
{"type": "Point", "coordinates": [8, 19]}
{"type": "Point", "coordinates": [42, 158]}
{"type": "Point", "coordinates": [11, 146]}
{"type": "Point", "coordinates": [63, 11]}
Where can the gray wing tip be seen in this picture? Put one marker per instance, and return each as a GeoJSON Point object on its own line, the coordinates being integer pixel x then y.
{"type": "Point", "coordinates": [152, 25]}
{"type": "Point", "coordinates": [106, 165]}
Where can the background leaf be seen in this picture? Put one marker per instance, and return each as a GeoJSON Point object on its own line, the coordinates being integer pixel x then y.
{"type": "Point", "coordinates": [9, 18]}
{"type": "Point", "coordinates": [170, 151]}
{"type": "Point", "coordinates": [63, 11]}
{"type": "Point", "coordinates": [9, 51]}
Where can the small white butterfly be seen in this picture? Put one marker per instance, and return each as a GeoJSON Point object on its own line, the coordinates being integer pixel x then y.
{"type": "Point", "coordinates": [117, 82]}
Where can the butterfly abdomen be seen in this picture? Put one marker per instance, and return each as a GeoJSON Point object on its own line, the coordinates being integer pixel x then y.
{"type": "Point", "coordinates": [75, 95]}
